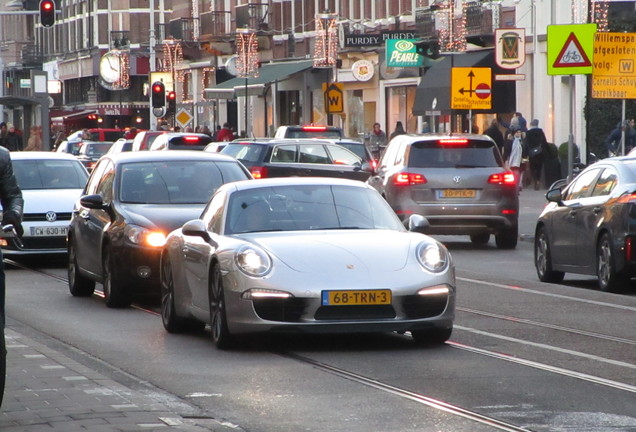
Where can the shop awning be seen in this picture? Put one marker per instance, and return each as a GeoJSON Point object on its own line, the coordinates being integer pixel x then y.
{"type": "Point", "coordinates": [79, 115]}
{"type": "Point", "coordinates": [267, 74]}
{"type": "Point", "coordinates": [433, 92]}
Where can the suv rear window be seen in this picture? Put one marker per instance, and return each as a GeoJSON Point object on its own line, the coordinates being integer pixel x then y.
{"type": "Point", "coordinates": [304, 133]}
{"type": "Point", "coordinates": [245, 152]}
{"type": "Point", "coordinates": [454, 153]}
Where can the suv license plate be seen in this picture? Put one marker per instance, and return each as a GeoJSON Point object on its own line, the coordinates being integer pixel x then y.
{"type": "Point", "coordinates": [457, 193]}
{"type": "Point", "coordinates": [353, 298]}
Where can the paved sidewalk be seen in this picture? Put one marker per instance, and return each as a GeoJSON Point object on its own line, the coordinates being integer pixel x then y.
{"type": "Point", "coordinates": [47, 391]}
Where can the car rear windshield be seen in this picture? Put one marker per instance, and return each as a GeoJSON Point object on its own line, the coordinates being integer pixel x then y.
{"type": "Point", "coordinates": [49, 174]}
{"type": "Point", "coordinates": [454, 153]}
{"type": "Point", "coordinates": [313, 133]}
{"type": "Point", "coordinates": [176, 182]}
{"type": "Point", "coordinates": [245, 152]}
{"type": "Point", "coordinates": [186, 142]}
{"type": "Point", "coordinates": [97, 149]}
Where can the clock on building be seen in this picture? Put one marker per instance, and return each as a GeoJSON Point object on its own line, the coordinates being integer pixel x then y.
{"type": "Point", "coordinates": [110, 67]}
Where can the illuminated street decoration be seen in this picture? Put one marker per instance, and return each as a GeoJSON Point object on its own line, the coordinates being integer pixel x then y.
{"type": "Point", "coordinates": [326, 41]}
{"type": "Point", "coordinates": [247, 59]}
{"type": "Point", "coordinates": [450, 22]}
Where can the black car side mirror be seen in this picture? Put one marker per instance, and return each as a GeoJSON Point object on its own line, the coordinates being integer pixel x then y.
{"type": "Point", "coordinates": [554, 195]}
{"type": "Point", "coordinates": [93, 202]}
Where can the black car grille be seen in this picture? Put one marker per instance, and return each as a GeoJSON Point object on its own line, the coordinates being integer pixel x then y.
{"type": "Point", "coordinates": [417, 306]}
{"type": "Point", "coordinates": [355, 312]}
{"type": "Point", "coordinates": [41, 217]}
{"type": "Point", "coordinates": [285, 310]}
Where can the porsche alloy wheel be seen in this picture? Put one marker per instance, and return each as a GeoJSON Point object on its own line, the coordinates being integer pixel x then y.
{"type": "Point", "coordinates": [218, 317]}
{"type": "Point", "coordinates": [543, 259]}
{"type": "Point", "coordinates": [78, 285]}
{"type": "Point", "coordinates": [115, 291]}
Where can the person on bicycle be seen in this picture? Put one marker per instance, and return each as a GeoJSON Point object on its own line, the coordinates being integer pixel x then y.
{"type": "Point", "coordinates": [12, 208]}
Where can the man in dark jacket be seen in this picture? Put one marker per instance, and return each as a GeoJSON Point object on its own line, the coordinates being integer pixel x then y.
{"type": "Point", "coordinates": [494, 132]}
{"type": "Point", "coordinates": [13, 141]}
{"type": "Point", "coordinates": [12, 208]}
{"type": "Point", "coordinates": [537, 149]}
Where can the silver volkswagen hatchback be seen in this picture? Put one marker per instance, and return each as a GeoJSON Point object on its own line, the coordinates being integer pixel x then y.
{"type": "Point", "coordinates": [459, 182]}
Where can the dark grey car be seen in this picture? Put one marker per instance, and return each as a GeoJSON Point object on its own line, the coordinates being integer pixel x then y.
{"type": "Point", "coordinates": [589, 227]}
{"type": "Point", "coordinates": [459, 182]}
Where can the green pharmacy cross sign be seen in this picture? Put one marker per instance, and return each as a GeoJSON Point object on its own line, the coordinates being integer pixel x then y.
{"type": "Point", "coordinates": [402, 53]}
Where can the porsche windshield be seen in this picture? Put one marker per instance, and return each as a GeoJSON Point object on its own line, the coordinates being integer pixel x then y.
{"type": "Point", "coordinates": [308, 207]}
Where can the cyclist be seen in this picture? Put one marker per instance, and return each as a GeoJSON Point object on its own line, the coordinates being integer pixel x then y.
{"type": "Point", "coordinates": [12, 208]}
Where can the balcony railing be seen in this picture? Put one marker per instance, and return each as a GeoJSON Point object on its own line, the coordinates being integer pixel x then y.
{"type": "Point", "coordinates": [479, 21]}
{"type": "Point", "coordinates": [216, 24]}
{"type": "Point", "coordinates": [181, 29]}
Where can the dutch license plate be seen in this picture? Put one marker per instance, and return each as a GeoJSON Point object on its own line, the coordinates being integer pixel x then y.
{"type": "Point", "coordinates": [43, 231]}
{"type": "Point", "coordinates": [457, 193]}
{"type": "Point", "coordinates": [355, 298]}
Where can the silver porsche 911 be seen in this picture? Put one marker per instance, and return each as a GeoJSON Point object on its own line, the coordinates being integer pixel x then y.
{"type": "Point", "coordinates": [314, 255]}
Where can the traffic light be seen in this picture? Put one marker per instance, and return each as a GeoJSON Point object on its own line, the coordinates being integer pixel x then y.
{"type": "Point", "coordinates": [158, 95]}
{"type": "Point", "coordinates": [171, 104]}
{"type": "Point", "coordinates": [47, 13]}
{"type": "Point", "coordinates": [428, 48]}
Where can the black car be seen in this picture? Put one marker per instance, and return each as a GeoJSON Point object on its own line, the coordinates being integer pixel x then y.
{"type": "Point", "coordinates": [131, 202]}
{"type": "Point", "coordinates": [181, 141]}
{"type": "Point", "coordinates": [273, 157]}
{"type": "Point", "coordinates": [90, 152]}
{"type": "Point", "coordinates": [589, 226]}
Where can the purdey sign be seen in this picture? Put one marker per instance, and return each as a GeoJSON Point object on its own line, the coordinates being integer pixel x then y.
{"type": "Point", "coordinates": [376, 39]}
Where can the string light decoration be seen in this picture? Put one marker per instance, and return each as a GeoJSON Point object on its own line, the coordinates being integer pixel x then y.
{"type": "Point", "coordinates": [206, 77]}
{"type": "Point", "coordinates": [326, 41]}
{"type": "Point", "coordinates": [247, 57]}
{"type": "Point", "coordinates": [123, 82]}
{"type": "Point", "coordinates": [599, 15]}
{"type": "Point", "coordinates": [450, 22]}
{"type": "Point", "coordinates": [172, 57]}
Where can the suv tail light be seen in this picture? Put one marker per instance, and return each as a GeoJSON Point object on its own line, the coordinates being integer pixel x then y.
{"type": "Point", "coordinates": [259, 172]}
{"type": "Point", "coordinates": [407, 178]}
{"type": "Point", "coordinates": [505, 178]}
{"type": "Point", "coordinates": [454, 141]}
{"type": "Point", "coordinates": [314, 128]}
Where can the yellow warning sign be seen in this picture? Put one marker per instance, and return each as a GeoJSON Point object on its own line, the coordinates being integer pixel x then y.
{"type": "Point", "coordinates": [183, 118]}
{"type": "Point", "coordinates": [334, 97]}
{"type": "Point", "coordinates": [471, 88]}
{"type": "Point", "coordinates": [570, 49]}
{"type": "Point", "coordinates": [614, 74]}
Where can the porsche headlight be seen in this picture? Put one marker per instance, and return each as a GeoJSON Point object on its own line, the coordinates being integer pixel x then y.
{"type": "Point", "coordinates": [253, 261]}
{"type": "Point", "coordinates": [145, 237]}
{"type": "Point", "coordinates": [433, 257]}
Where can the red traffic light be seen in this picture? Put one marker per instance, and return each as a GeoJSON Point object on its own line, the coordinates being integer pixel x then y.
{"type": "Point", "coordinates": [158, 95]}
{"type": "Point", "coordinates": [47, 13]}
{"type": "Point", "coordinates": [172, 102]}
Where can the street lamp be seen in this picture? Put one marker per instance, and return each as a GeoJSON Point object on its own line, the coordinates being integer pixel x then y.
{"type": "Point", "coordinates": [247, 60]}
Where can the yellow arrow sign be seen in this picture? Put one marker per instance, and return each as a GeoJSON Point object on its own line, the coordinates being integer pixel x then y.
{"type": "Point", "coordinates": [471, 88]}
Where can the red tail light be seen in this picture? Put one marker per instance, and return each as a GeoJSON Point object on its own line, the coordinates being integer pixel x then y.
{"type": "Point", "coordinates": [315, 128]}
{"type": "Point", "coordinates": [406, 178]}
{"type": "Point", "coordinates": [374, 165]}
{"type": "Point", "coordinates": [627, 198]}
{"type": "Point", "coordinates": [506, 178]}
{"type": "Point", "coordinates": [629, 249]}
{"type": "Point", "coordinates": [191, 139]}
{"type": "Point", "coordinates": [259, 172]}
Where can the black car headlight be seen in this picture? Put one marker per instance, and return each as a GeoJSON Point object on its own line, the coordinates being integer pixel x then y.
{"type": "Point", "coordinates": [433, 257]}
{"type": "Point", "coordinates": [253, 261]}
{"type": "Point", "coordinates": [145, 237]}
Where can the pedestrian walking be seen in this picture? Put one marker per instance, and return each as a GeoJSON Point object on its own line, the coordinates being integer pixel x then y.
{"type": "Point", "coordinates": [225, 133]}
{"type": "Point", "coordinates": [630, 136]}
{"type": "Point", "coordinates": [494, 132]}
{"type": "Point", "coordinates": [521, 121]}
{"type": "Point", "coordinates": [13, 141]}
{"type": "Point", "coordinates": [34, 143]}
{"type": "Point", "coordinates": [613, 140]}
{"type": "Point", "coordinates": [515, 155]}
{"type": "Point", "coordinates": [537, 148]}
{"type": "Point", "coordinates": [377, 141]}
{"type": "Point", "coordinates": [399, 130]}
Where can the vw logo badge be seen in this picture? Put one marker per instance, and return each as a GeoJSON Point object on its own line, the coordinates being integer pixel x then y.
{"type": "Point", "coordinates": [457, 179]}
{"type": "Point", "coordinates": [51, 216]}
